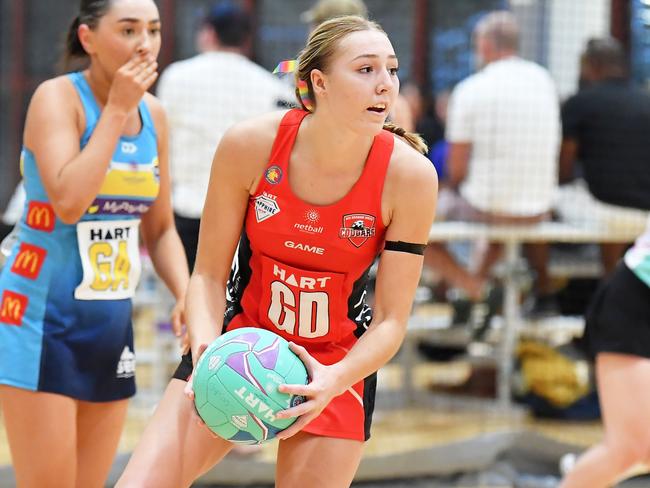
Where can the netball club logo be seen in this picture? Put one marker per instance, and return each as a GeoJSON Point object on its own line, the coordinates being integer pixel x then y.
{"type": "Point", "coordinates": [357, 228]}
{"type": "Point", "coordinates": [273, 175]}
{"type": "Point", "coordinates": [266, 207]}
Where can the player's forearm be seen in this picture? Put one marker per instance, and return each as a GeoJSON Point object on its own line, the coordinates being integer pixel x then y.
{"type": "Point", "coordinates": [71, 199]}
{"type": "Point", "coordinates": [371, 352]}
{"type": "Point", "coordinates": [205, 305]}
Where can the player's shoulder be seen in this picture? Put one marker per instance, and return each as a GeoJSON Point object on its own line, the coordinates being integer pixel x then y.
{"type": "Point", "coordinates": [256, 133]}
{"type": "Point", "coordinates": [409, 171]}
{"type": "Point", "coordinates": [55, 98]}
{"type": "Point", "coordinates": [58, 89]}
{"type": "Point", "coordinates": [247, 146]}
{"type": "Point", "coordinates": [409, 161]}
{"type": "Point", "coordinates": [155, 106]}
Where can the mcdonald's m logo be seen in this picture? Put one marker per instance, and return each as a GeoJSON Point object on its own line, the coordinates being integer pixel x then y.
{"type": "Point", "coordinates": [12, 308]}
{"type": "Point", "coordinates": [29, 261]}
{"type": "Point", "coordinates": [40, 216]}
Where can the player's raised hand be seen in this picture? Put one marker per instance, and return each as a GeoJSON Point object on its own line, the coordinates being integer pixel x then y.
{"type": "Point", "coordinates": [131, 81]}
{"type": "Point", "coordinates": [319, 392]}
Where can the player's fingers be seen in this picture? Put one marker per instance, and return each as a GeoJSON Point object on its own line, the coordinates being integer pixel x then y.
{"type": "Point", "coordinates": [135, 64]}
{"type": "Point", "coordinates": [304, 355]}
{"type": "Point", "coordinates": [200, 350]}
{"type": "Point", "coordinates": [185, 343]}
{"type": "Point", "coordinates": [177, 324]}
{"type": "Point", "coordinates": [145, 71]}
{"type": "Point", "coordinates": [130, 65]}
{"type": "Point", "coordinates": [296, 411]}
{"type": "Point", "coordinates": [147, 82]}
{"type": "Point", "coordinates": [304, 390]}
{"type": "Point", "coordinates": [189, 390]}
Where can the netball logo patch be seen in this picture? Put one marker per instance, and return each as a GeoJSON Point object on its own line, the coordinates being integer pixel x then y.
{"type": "Point", "coordinates": [357, 228]}
{"type": "Point", "coordinates": [273, 175]}
{"type": "Point", "coordinates": [265, 207]}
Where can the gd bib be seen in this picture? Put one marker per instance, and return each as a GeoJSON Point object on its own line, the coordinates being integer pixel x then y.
{"type": "Point", "coordinates": [110, 258]}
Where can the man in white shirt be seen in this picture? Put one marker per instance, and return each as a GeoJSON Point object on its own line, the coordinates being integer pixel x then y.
{"type": "Point", "coordinates": [504, 131]}
{"type": "Point", "coordinates": [204, 96]}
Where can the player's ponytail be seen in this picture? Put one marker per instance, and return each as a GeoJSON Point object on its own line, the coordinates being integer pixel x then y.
{"type": "Point", "coordinates": [73, 47]}
{"type": "Point", "coordinates": [90, 12]}
{"type": "Point", "coordinates": [414, 140]}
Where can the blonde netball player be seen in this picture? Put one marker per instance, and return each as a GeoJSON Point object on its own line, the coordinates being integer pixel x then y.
{"type": "Point", "coordinates": [307, 196]}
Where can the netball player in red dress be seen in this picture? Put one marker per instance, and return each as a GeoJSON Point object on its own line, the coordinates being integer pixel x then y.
{"type": "Point", "coordinates": [305, 200]}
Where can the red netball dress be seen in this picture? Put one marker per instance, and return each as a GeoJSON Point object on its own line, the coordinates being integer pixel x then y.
{"type": "Point", "coordinates": [301, 270]}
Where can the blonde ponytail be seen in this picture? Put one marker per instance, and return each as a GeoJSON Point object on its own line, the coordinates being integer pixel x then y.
{"type": "Point", "coordinates": [414, 140]}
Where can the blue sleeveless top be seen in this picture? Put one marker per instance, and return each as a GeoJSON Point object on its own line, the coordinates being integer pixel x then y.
{"type": "Point", "coordinates": [65, 309]}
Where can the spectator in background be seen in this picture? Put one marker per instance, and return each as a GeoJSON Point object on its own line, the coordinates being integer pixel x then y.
{"type": "Point", "coordinates": [439, 152]}
{"type": "Point", "coordinates": [503, 129]}
{"type": "Point", "coordinates": [328, 9]}
{"type": "Point", "coordinates": [401, 114]}
{"type": "Point", "coordinates": [605, 127]}
{"type": "Point", "coordinates": [204, 96]}
{"type": "Point", "coordinates": [427, 122]}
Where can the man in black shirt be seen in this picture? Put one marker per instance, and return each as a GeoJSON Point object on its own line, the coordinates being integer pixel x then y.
{"type": "Point", "coordinates": [606, 127]}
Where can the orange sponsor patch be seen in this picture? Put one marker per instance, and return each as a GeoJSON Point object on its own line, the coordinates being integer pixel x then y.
{"type": "Point", "coordinates": [12, 309]}
{"type": "Point", "coordinates": [29, 261]}
{"type": "Point", "coordinates": [40, 216]}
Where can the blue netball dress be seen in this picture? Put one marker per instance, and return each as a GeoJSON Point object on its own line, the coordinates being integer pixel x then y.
{"type": "Point", "coordinates": [65, 310]}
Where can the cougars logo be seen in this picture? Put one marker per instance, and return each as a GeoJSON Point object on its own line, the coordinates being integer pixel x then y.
{"type": "Point", "coordinates": [357, 228]}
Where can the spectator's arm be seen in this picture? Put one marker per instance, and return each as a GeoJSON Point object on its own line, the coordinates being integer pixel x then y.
{"type": "Point", "coordinates": [572, 116]}
{"type": "Point", "coordinates": [457, 163]}
{"type": "Point", "coordinates": [568, 154]}
{"type": "Point", "coordinates": [460, 131]}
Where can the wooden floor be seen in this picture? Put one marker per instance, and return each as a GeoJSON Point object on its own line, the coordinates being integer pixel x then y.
{"type": "Point", "coordinates": [402, 429]}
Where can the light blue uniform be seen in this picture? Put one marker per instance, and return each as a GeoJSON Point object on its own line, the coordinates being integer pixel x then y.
{"type": "Point", "coordinates": [65, 310]}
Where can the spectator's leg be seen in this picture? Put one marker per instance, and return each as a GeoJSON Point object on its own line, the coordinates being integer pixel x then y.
{"type": "Point", "coordinates": [438, 258]}
{"type": "Point", "coordinates": [538, 258]}
{"type": "Point", "coordinates": [492, 254]}
{"type": "Point", "coordinates": [610, 254]}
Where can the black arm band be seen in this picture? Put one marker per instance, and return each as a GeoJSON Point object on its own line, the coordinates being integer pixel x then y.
{"type": "Point", "coordinates": [402, 246]}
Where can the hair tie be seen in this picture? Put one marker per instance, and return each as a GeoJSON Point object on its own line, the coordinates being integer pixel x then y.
{"type": "Point", "coordinates": [290, 66]}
